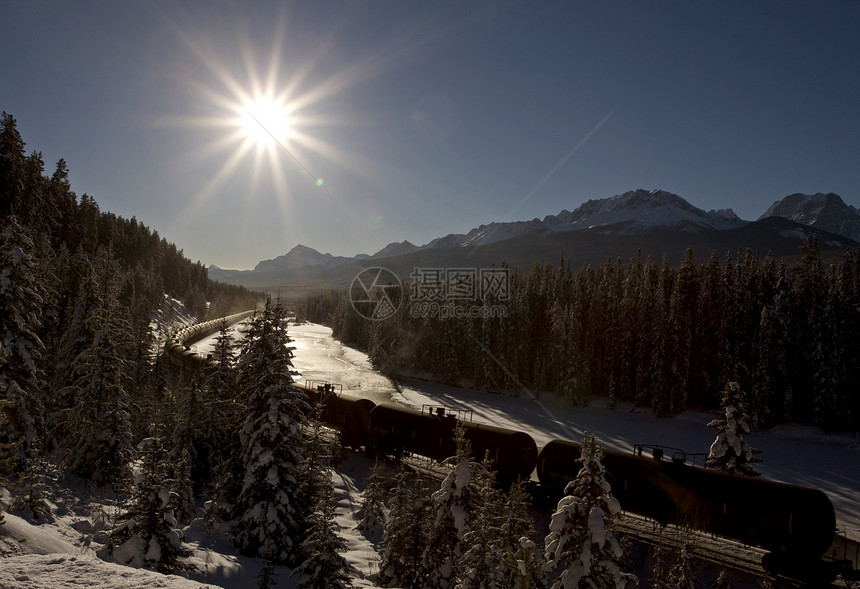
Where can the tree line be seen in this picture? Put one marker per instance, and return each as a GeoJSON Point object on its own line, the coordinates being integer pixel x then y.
{"type": "Point", "coordinates": [80, 374]}
{"type": "Point", "coordinates": [646, 332]}
{"type": "Point", "coordinates": [87, 397]}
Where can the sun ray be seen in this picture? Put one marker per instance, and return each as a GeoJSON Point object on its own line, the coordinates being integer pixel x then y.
{"type": "Point", "coordinates": [264, 110]}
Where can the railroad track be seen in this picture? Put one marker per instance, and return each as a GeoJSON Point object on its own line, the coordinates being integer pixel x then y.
{"type": "Point", "coordinates": [722, 552]}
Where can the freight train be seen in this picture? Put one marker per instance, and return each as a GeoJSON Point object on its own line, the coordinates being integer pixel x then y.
{"type": "Point", "coordinates": [796, 525]}
{"type": "Point", "coordinates": [178, 347]}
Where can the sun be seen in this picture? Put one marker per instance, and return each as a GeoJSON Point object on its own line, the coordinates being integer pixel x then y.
{"type": "Point", "coordinates": [266, 121]}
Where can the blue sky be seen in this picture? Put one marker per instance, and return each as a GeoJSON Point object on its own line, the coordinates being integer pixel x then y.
{"type": "Point", "coordinates": [411, 120]}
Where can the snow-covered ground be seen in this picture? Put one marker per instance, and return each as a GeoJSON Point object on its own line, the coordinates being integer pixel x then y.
{"type": "Point", "coordinates": [58, 555]}
{"type": "Point", "coordinates": [61, 555]}
{"type": "Point", "coordinates": [795, 454]}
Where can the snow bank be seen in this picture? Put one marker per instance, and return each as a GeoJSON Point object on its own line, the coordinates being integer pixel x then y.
{"type": "Point", "coordinates": [18, 536]}
{"type": "Point", "coordinates": [36, 571]}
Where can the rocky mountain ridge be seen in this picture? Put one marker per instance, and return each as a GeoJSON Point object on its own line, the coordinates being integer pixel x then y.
{"type": "Point", "coordinates": [636, 212]}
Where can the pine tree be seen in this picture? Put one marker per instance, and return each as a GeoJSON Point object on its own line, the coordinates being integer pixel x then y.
{"type": "Point", "coordinates": [21, 349]}
{"type": "Point", "coordinates": [324, 566]}
{"type": "Point", "coordinates": [266, 578]}
{"type": "Point", "coordinates": [404, 535]}
{"type": "Point", "coordinates": [486, 545]}
{"type": "Point", "coordinates": [372, 509]}
{"type": "Point", "coordinates": [516, 522]}
{"type": "Point", "coordinates": [682, 576]}
{"type": "Point", "coordinates": [11, 167]}
{"type": "Point", "coordinates": [525, 566]}
{"type": "Point", "coordinates": [31, 493]}
{"type": "Point", "coordinates": [455, 503]}
{"type": "Point", "coordinates": [100, 434]}
{"type": "Point", "coordinates": [724, 580]}
{"type": "Point", "coordinates": [148, 535]}
{"type": "Point", "coordinates": [659, 575]}
{"type": "Point", "coordinates": [216, 435]}
{"type": "Point", "coordinates": [267, 505]}
{"type": "Point", "coordinates": [8, 452]}
{"type": "Point", "coordinates": [581, 541]}
{"type": "Point", "coordinates": [313, 473]}
{"type": "Point", "coordinates": [730, 452]}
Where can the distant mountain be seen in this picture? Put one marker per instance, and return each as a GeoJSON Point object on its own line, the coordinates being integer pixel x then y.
{"type": "Point", "coordinates": [639, 211]}
{"type": "Point", "coordinates": [655, 221]}
{"type": "Point", "coordinates": [395, 249]}
{"type": "Point", "coordinates": [221, 274]}
{"type": "Point", "coordinates": [302, 257]}
{"type": "Point", "coordinates": [822, 211]}
{"type": "Point", "coordinates": [633, 212]}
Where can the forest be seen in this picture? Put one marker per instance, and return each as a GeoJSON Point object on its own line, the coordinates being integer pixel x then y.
{"type": "Point", "coordinates": [660, 336]}
{"type": "Point", "coordinates": [86, 398]}
{"type": "Point", "coordinates": [88, 402]}
{"type": "Point", "coordinates": [81, 379]}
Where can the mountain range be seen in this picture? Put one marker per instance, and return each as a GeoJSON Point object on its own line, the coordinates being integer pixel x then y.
{"type": "Point", "coordinates": [655, 221]}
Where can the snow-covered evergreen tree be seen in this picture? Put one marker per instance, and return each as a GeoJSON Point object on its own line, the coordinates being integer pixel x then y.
{"type": "Point", "coordinates": [267, 508]}
{"type": "Point", "coordinates": [324, 567]}
{"type": "Point", "coordinates": [658, 577]}
{"type": "Point", "coordinates": [730, 451]}
{"type": "Point", "coordinates": [525, 566]}
{"type": "Point", "coordinates": [404, 535]}
{"type": "Point", "coordinates": [21, 350]}
{"type": "Point", "coordinates": [99, 432]}
{"type": "Point", "coordinates": [724, 580]}
{"type": "Point", "coordinates": [483, 545]}
{"type": "Point", "coordinates": [682, 575]}
{"type": "Point", "coordinates": [313, 472]}
{"type": "Point", "coordinates": [266, 578]}
{"type": "Point", "coordinates": [216, 434]}
{"type": "Point", "coordinates": [455, 504]}
{"type": "Point", "coordinates": [522, 561]}
{"type": "Point", "coordinates": [8, 454]}
{"type": "Point", "coordinates": [31, 494]}
{"type": "Point", "coordinates": [372, 509]}
{"type": "Point", "coordinates": [182, 486]}
{"type": "Point", "coordinates": [581, 542]}
{"type": "Point", "coordinates": [149, 535]}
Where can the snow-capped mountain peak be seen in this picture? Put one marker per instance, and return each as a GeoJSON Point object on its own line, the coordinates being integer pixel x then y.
{"type": "Point", "coordinates": [822, 211]}
{"type": "Point", "coordinates": [641, 210]}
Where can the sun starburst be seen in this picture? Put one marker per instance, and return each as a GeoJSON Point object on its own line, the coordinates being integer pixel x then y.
{"type": "Point", "coordinates": [263, 114]}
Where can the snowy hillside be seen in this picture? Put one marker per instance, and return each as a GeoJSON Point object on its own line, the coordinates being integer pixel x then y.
{"type": "Point", "coordinates": [62, 554]}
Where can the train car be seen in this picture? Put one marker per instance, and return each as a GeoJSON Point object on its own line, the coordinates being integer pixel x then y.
{"type": "Point", "coordinates": [348, 414]}
{"type": "Point", "coordinates": [796, 524]}
{"type": "Point", "coordinates": [638, 483]}
{"type": "Point", "coordinates": [396, 430]}
{"type": "Point", "coordinates": [399, 430]}
{"type": "Point", "coordinates": [513, 453]}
